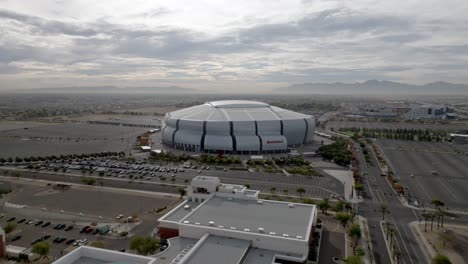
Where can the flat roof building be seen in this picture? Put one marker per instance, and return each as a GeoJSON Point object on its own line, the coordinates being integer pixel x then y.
{"type": "Point", "coordinates": [226, 223]}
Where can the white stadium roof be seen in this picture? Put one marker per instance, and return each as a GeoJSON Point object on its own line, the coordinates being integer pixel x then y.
{"type": "Point", "coordinates": [235, 110]}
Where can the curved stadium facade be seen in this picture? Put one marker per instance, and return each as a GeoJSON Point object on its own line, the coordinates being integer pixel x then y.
{"type": "Point", "coordinates": [244, 127]}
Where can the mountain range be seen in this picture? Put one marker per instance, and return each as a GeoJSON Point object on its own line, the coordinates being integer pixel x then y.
{"type": "Point", "coordinates": [111, 89]}
{"type": "Point", "coordinates": [374, 87]}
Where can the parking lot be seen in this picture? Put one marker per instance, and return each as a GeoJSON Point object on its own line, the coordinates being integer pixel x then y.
{"type": "Point", "coordinates": [69, 138]}
{"type": "Point", "coordinates": [173, 174]}
{"type": "Point", "coordinates": [452, 126]}
{"type": "Point", "coordinates": [76, 208]}
{"type": "Point", "coordinates": [430, 170]}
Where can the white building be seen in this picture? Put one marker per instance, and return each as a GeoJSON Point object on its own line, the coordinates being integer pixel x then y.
{"type": "Point", "coordinates": [235, 126]}
{"type": "Point", "coordinates": [429, 112]}
{"type": "Point", "coordinates": [225, 223]}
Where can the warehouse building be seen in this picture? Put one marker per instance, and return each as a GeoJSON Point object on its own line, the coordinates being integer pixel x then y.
{"type": "Point", "coordinates": [223, 223]}
{"type": "Point", "coordinates": [244, 127]}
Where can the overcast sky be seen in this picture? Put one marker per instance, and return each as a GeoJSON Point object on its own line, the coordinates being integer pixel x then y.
{"type": "Point", "coordinates": [226, 45]}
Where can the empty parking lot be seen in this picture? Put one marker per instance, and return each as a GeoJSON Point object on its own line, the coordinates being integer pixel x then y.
{"type": "Point", "coordinates": [430, 170]}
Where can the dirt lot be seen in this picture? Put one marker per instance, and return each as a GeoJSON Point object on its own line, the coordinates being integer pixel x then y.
{"type": "Point", "coordinates": [450, 241]}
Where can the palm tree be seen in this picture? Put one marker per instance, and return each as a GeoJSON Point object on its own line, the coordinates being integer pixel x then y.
{"type": "Point", "coordinates": [440, 217]}
{"type": "Point", "coordinates": [300, 191]}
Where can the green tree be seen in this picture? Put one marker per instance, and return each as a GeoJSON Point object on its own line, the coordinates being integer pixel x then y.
{"type": "Point", "coordinates": [182, 191]}
{"type": "Point", "coordinates": [41, 248]}
{"type": "Point", "coordinates": [355, 233]}
{"type": "Point", "coordinates": [358, 187]}
{"type": "Point", "coordinates": [10, 227]}
{"type": "Point", "coordinates": [88, 181]}
{"type": "Point", "coordinates": [300, 191]}
{"type": "Point", "coordinates": [324, 205]}
{"type": "Point", "coordinates": [437, 203]}
{"type": "Point", "coordinates": [339, 206]}
{"type": "Point", "coordinates": [343, 218]}
{"type": "Point", "coordinates": [440, 259]}
{"type": "Point", "coordinates": [144, 245]}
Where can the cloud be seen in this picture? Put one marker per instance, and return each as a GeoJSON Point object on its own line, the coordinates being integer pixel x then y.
{"type": "Point", "coordinates": [320, 41]}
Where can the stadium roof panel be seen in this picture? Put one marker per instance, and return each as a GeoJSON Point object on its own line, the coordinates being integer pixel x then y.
{"type": "Point", "coordinates": [235, 110]}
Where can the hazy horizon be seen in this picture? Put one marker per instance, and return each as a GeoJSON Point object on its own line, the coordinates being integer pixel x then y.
{"type": "Point", "coordinates": [243, 46]}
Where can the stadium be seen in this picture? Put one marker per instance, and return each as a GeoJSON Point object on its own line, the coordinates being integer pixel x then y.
{"type": "Point", "coordinates": [242, 127]}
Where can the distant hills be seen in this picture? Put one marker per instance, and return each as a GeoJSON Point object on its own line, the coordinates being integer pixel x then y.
{"type": "Point", "coordinates": [111, 89]}
{"type": "Point", "coordinates": [374, 87]}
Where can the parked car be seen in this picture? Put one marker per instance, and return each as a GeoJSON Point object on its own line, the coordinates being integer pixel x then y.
{"type": "Point", "coordinates": [70, 241]}
{"type": "Point", "coordinates": [22, 221]}
{"type": "Point", "coordinates": [32, 221]}
{"type": "Point", "coordinates": [59, 240]}
{"type": "Point", "coordinates": [69, 228]}
{"type": "Point", "coordinates": [11, 219]}
{"type": "Point", "coordinates": [83, 230]}
{"type": "Point", "coordinates": [16, 238]}
{"type": "Point", "coordinates": [46, 224]}
{"type": "Point", "coordinates": [39, 223]}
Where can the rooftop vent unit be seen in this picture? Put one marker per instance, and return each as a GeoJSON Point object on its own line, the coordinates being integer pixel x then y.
{"type": "Point", "coordinates": [285, 235]}
{"type": "Point", "coordinates": [186, 222]}
{"type": "Point", "coordinates": [211, 223]}
{"type": "Point", "coordinates": [299, 237]}
{"type": "Point", "coordinates": [261, 230]}
{"type": "Point", "coordinates": [246, 230]}
{"type": "Point", "coordinates": [273, 233]}
{"type": "Point", "coordinates": [291, 205]}
{"type": "Point", "coordinates": [260, 202]}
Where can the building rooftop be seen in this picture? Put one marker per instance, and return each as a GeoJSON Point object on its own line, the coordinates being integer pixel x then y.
{"type": "Point", "coordinates": [273, 218]}
{"type": "Point", "coordinates": [235, 110]}
{"type": "Point", "coordinates": [177, 250]}
{"type": "Point", "coordinates": [209, 248]}
{"type": "Point", "coordinates": [178, 213]}
{"type": "Point", "coordinates": [91, 255]}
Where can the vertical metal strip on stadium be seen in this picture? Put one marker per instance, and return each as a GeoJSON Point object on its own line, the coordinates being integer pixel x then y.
{"type": "Point", "coordinates": [259, 137]}
{"type": "Point", "coordinates": [175, 131]}
{"type": "Point", "coordinates": [234, 142]}
{"type": "Point", "coordinates": [202, 141]}
{"type": "Point", "coordinates": [306, 132]}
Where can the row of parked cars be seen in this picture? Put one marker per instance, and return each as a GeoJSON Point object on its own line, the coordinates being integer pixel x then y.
{"type": "Point", "coordinates": [41, 223]}
{"type": "Point", "coordinates": [59, 240]}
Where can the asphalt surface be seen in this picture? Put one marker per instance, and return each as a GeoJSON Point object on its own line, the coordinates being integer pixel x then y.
{"type": "Point", "coordinates": [380, 193]}
{"type": "Point", "coordinates": [430, 171]}
{"type": "Point", "coordinates": [77, 207]}
{"type": "Point", "coordinates": [314, 186]}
